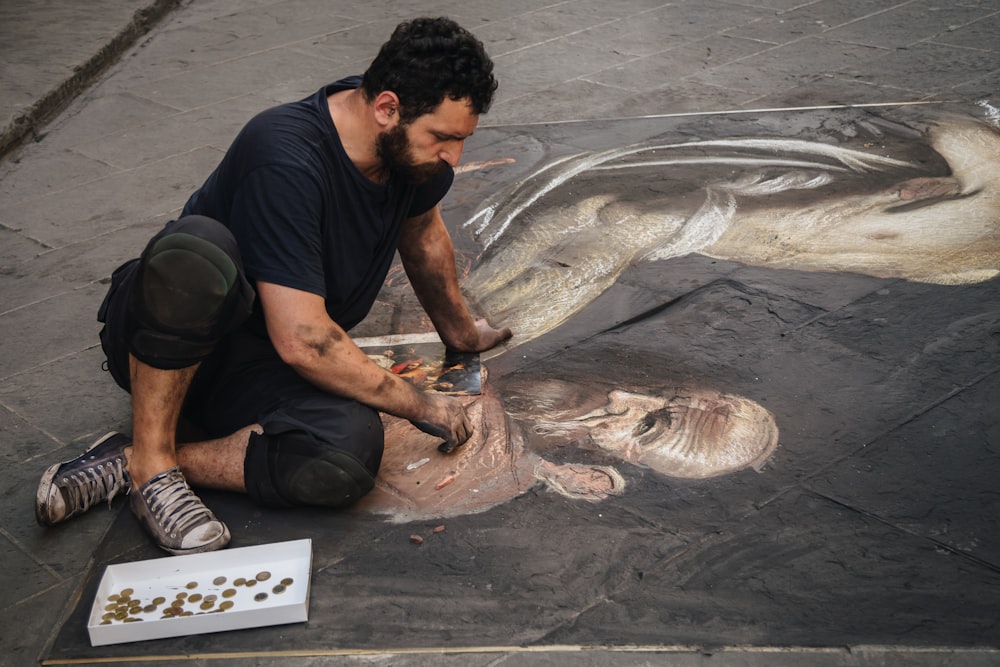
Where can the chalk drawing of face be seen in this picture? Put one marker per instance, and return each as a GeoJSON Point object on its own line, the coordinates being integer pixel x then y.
{"type": "Point", "coordinates": [689, 433]}
{"type": "Point", "coordinates": [557, 239]}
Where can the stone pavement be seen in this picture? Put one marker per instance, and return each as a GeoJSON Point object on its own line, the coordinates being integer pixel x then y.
{"type": "Point", "coordinates": [123, 157]}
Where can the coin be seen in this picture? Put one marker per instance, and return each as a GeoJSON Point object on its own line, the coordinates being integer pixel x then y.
{"type": "Point", "coordinates": [191, 584]}
{"type": "Point", "coordinates": [287, 581]}
{"type": "Point", "coordinates": [177, 604]}
{"type": "Point", "coordinates": [113, 597]}
{"type": "Point", "coordinates": [263, 576]}
{"type": "Point", "coordinates": [110, 607]}
{"type": "Point", "coordinates": [149, 609]}
{"type": "Point", "coordinates": [278, 589]}
{"type": "Point", "coordinates": [211, 598]}
{"type": "Point", "coordinates": [207, 605]}
{"type": "Point", "coordinates": [182, 595]}
{"type": "Point", "coordinates": [218, 581]}
{"type": "Point", "coordinates": [251, 583]}
{"type": "Point", "coordinates": [105, 622]}
{"type": "Point", "coordinates": [126, 592]}
{"type": "Point", "coordinates": [194, 597]}
{"type": "Point", "coordinates": [226, 604]}
{"type": "Point", "coordinates": [240, 581]}
{"type": "Point", "coordinates": [158, 601]}
{"type": "Point", "coordinates": [229, 592]}
{"type": "Point", "coordinates": [260, 597]}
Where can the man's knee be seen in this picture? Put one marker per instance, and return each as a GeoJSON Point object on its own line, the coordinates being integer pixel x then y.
{"type": "Point", "coordinates": [190, 291]}
{"type": "Point", "coordinates": [293, 468]}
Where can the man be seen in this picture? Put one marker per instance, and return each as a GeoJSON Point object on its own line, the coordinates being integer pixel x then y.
{"type": "Point", "coordinates": [304, 213]}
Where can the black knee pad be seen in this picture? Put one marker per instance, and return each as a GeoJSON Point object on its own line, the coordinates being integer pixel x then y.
{"type": "Point", "coordinates": [188, 291]}
{"type": "Point", "coordinates": [293, 468]}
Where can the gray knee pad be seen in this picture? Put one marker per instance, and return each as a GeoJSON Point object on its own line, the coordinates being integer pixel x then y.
{"type": "Point", "coordinates": [187, 289]}
{"type": "Point", "coordinates": [293, 468]}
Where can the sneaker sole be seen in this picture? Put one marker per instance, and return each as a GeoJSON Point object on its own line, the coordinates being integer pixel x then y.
{"type": "Point", "coordinates": [45, 486]}
{"type": "Point", "coordinates": [221, 543]}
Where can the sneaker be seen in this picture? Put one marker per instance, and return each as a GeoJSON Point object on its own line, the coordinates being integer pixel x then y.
{"type": "Point", "coordinates": [176, 518]}
{"type": "Point", "coordinates": [73, 487]}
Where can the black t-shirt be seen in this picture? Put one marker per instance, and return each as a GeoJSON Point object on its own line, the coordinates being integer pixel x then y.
{"type": "Point", "coordinates": [303, 215]}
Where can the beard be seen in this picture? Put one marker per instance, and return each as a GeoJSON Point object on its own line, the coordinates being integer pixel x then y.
{"type": "Point", "coordinates": [393, 150]}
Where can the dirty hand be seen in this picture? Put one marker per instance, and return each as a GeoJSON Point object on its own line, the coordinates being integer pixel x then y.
{"type": "Point", "coordinates": [488, 336]}
{"type": "Point", "coordinates": [445, 418]}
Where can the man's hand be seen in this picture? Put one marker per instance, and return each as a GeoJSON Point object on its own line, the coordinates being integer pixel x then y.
{"type": "Point", "coordinates": [445, 419]}
{"type": "Point", "coordinates": [488, 336]}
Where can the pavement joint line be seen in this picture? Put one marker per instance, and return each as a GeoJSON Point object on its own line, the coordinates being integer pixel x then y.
{"type": "Point", "coordinates": [726, 112]}
{"type": "Point", "coordinates": [47, 363]}
{"type": "Point", "coordinates": [802, 484]}
{"type": "Point", "coordinates": [845, 651]}
{"type": "Point", "coordinates": [955, 551]}
{"type": "Point", "coordinates": [20, 547]}
{"type": "Point", "coordinates": [819, 316]}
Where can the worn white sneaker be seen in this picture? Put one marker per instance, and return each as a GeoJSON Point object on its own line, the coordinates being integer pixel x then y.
{"type": "Point", "coordinates": [176, 518]}
{"type": "Point", "coordinates": [73, 487]}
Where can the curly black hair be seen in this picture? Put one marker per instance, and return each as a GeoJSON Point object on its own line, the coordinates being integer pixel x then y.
{"type": "Point", "coordinates": [426, 59]}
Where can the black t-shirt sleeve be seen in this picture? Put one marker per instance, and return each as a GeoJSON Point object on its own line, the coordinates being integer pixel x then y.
{"type": "Point", "coordinates": [276, 219]}
{"type": "Point", "coordinates": [427, 196]}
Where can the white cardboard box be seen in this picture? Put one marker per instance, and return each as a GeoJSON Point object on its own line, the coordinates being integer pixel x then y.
{"type": "Point", "coordinates": [195, 575]}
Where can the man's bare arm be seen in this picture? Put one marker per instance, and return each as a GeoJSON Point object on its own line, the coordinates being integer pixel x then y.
{"type": "Point", "coordinates": [429, 259]}
{"type": "Point", "coordinates": [321, 351]}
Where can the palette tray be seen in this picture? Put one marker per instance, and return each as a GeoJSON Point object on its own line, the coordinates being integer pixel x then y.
{"type": "Point", "coordinates": [201, 593]}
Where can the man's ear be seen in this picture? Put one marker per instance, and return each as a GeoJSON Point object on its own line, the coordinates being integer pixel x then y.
{"type": "Point", "coordinates": [386, 107]}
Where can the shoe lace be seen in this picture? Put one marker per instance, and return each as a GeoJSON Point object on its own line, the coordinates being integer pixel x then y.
{"type": "Point", "coordinates": [177, 508]}
{"type": "Point", "coordinates": [89, 485]}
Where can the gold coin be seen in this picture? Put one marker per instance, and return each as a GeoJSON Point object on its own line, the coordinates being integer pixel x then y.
{"type": "Point", "coordinates": [132, 619]}
{"type": "Point", "coordinates": [239, 581]}
{"type": "Point", "coordinates": [113, 597]}
{"type": "Point", "coordinates": [105, 622]}
{"type": "Point", "coordinates": [177, 604]}
{"type": "Point", "coordinates": [218, 581]}
{"type": "Point", "coordinates": [251, 583]}
{"type": "Point", "coordinates": [149, 609]}
{"type": "Point", "coordinates": [110, 607]}
{"type": "Point", "coordinates": [260, 597]}
{"type": "Point", "coordinates": [107, 617]}
{"type": "Point", "coordinates": [211, 598]}
{"type": "Point", "coordinates": [226, 604]}
{"type": "Point", "coordinates": [169, 612]}
{"type": "Point", "coordinates": [194, 597]}
{"type": "Point", "coordinates": [159, 601]}
{"type": "Point", "coordinates": [126, 592]}
{"type": "Point", "coordinates": [121, 615]}
{"type": "Point", "coordinates": [287, 581]}
{"type": "Point", "coordinates": [263, 576]}
{"type": "Point", "coordinates": [181, 595]}
{"type": "Point", "coordinates": [207, 605]}
{"type": "Point", "coordinates": [191, 584]}
{"type": "Point", "coordinates": [187, 613]}
{"type": "Point", "coordinates": [278, 590]}
{"type": "Point", "coordinates": [229, 592]}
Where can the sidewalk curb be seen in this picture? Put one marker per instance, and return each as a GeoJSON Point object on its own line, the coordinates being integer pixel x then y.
{"type": "Point", "coordinates": [28, 124]}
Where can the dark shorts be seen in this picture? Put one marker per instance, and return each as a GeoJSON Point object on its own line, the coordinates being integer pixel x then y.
{"type": "Point", "coordinates": [242, 381]}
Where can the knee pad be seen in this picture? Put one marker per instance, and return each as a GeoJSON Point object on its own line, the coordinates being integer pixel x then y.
{"type": "Point", "coordinates": [188, 290]}
{"type": "Point", "coordinates": [294, 468]}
